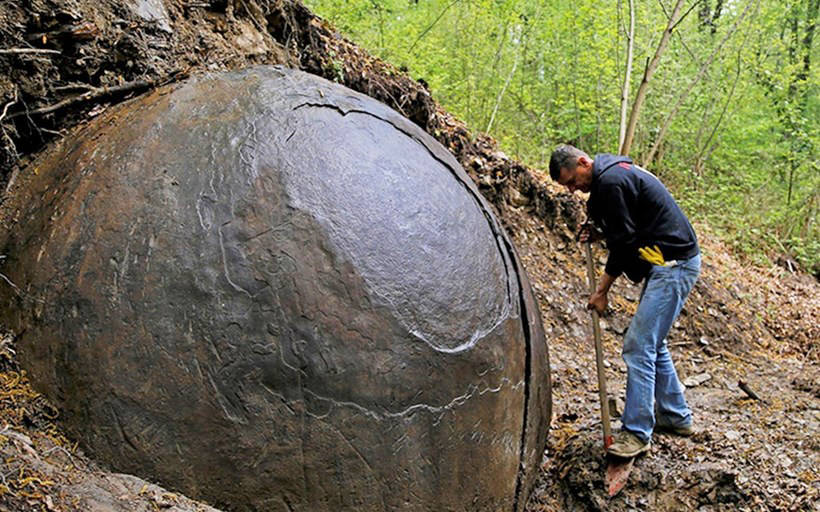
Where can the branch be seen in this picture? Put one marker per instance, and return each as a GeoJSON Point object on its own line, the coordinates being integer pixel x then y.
{"type": "Point", "coordinates": [749, 391]}
{"type": "Point", "coordinates": [682, 97]}
{"type": "Point", "coordinates": [708, 147]}
{"type": "Point", "coordinates": [647, 76]}
{"type": "Point", "coordinates": [501, 94]}
{"type": "Point", "coordinates": [260, 25]}
{"type": "Point", "coordinates": [682, 41]}
{"type": "Point", "coordinates": [96, 93]}
{"type": "Point", "coordinates": [6, 108]}
{"type": "Point", "coordinates": [6, 279]}
{"type": "Point", "coordinates": [11, 148]}
{"type": "Point", "coordinates": [684, 15]}
{"type": "Point", "coordinates": [88, 96]}
{"type": "Point", "coordinates": [627, 77]}
{"type": "Point", "coordinates": [424, 32]}
{"type": "Point", "coordinates": [17, 51]}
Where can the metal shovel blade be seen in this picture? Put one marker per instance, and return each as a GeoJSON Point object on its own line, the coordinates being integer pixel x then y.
{"type": "Point", "coordinates": [617, 473]}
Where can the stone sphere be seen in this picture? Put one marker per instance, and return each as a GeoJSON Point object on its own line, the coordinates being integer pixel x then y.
{"type": "Point", "coordinates": [270, 292]}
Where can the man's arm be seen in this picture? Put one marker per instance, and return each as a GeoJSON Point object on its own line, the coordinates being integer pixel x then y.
{"type": "Point", "coordinates": [598, 300]}
{"type": "Point", "coordinates": [621, 231]}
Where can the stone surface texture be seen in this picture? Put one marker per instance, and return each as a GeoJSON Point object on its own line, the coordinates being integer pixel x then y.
{"type": "Point", "coordinates": [270, 292]}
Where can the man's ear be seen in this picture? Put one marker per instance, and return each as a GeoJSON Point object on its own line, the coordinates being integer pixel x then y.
{"type": "Point", "coordinates": [584, 161]}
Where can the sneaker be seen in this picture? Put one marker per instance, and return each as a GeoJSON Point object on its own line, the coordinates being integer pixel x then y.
{"type": "Point", "coordinates": [663, 425]}
{"type": "Point", "coordinates": [627, 445]}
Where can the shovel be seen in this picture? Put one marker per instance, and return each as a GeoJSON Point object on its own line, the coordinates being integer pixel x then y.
{"type": "Point", "coordinates": [617, 469]}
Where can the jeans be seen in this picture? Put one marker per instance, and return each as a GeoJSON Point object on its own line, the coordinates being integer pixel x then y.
{"type": "Point", "coordinates": [652, 382]}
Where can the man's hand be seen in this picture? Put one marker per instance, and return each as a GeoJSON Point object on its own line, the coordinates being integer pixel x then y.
{"type": "Point", "coordinates": [652, 254]}
{"type": "Point", "coordinates": [599, 301]}
{"type": "Point", "coordinates": [588, 233]}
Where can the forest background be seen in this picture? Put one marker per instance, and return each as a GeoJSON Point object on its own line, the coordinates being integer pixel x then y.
{"type": "Point", "coordinates": [718, 98]}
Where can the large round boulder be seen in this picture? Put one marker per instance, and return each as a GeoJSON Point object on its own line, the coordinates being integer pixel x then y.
{"type": "Point", "coordinates": [268, 291]}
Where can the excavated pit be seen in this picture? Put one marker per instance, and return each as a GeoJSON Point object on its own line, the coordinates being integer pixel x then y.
{"type": "Point", "coordinates": [268, 291]}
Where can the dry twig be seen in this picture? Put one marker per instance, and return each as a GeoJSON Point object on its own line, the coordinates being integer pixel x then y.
{"type": "Point", "coordinates": [61, 449]}
{"type": "Point", "coordinates": [99, 92]}
{"type": "Point", "coordinates": [9, 104]}
{"type": "Point", "coordinates": [93, 94]}
{"type": "Point", "coordinates": [18, 51]}
{"type": "Point", "coordinates": [6, 279]}
{"type": "Point", "coordinates": [252, 10]}
{"type": "Point", "coordinates": [749, 391]}
{"type": "Point", "coordinates": [6, 136]}
{"type": "Point", "coordinates": [73, 86]}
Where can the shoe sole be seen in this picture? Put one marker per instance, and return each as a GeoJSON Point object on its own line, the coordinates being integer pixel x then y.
{"type": "Point", "coordinates": [678, 431]}
{"type": "Point", "coordinates": [623, 455]}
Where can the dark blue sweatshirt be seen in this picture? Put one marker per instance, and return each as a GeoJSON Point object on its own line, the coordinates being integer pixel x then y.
{"type": "Point", "coordinates": [635, 210]}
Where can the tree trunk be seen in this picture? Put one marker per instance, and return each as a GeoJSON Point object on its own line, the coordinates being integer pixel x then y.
{"type": "Point", "coordinates": [501, 94]}
{"type": "Point", "coordinates": [811, 24]}
{"type": "Point", "coordinates": [647, 76]}
{"type": "Point", "coordinates": [797, 84]}
{"type": "Point", "coordinates": [716, 15]}
{"type": "Point", "coordinates": [705, 13]}
{"type": "Point", "coordinates": [625, 90]}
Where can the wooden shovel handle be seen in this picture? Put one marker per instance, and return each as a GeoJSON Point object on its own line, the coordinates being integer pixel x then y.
{"type": "Point", "coordinates": [599, 354]}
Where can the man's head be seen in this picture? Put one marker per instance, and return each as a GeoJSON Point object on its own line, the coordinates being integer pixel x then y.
{"type": "Point", "coordinates": [572, 168]}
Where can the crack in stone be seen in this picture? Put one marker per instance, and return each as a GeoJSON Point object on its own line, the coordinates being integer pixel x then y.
{"type": "Point", "coordinates": [472, 391]}
{"type": "Point", "coordinates": [501, 244]}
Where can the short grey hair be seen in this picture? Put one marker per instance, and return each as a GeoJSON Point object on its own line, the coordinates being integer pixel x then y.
{"type": "Point", "coordinates": [564, 157]}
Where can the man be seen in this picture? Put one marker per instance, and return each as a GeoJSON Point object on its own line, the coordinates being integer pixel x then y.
{"type": "Point", "coordinates": [648, 237]}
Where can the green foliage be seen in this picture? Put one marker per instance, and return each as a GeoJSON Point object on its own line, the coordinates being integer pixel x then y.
{"type": "Point", "coordinates": [742, 151]}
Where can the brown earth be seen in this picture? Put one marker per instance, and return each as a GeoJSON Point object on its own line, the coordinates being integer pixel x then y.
{"type": "Point", "coordinates": [64, 61]}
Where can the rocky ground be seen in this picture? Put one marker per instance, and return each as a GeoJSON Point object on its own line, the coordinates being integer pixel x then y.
{"type": "Point", "coordinates": [64, 61]}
